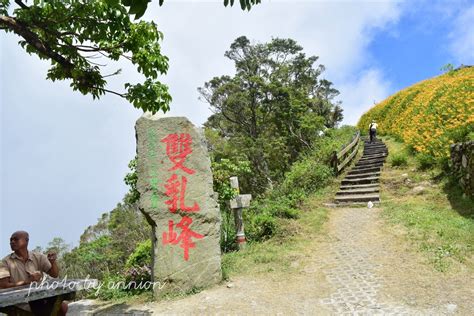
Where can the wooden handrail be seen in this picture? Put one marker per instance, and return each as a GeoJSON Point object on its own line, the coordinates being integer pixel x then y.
{"type": "Point", "coordinates": [342, 158]}
{"type": "Point", "coordinates": [349, 146]}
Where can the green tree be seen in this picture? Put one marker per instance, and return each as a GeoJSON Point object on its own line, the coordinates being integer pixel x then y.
{"type": "Point", "coordinates": [59, 246]}
{"type": "Point", "coordinates": [76, 35]}
{"type": "Point", "coordinates": [272, 108]}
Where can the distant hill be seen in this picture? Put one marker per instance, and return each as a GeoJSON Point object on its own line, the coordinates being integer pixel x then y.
{"type": "Point", "coordinates": [429, 115]}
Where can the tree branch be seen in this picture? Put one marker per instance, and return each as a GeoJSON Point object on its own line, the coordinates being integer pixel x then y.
{"type": "Point", "coordinates": [123, 95]}
{"type": "Point", "coordinates": [31, 38]}
{"type": "Point", "coordinates": [21, 4]}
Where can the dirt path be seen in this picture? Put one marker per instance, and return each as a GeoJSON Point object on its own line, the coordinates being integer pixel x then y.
{"type": "Point", "coordinates": [361, 266]}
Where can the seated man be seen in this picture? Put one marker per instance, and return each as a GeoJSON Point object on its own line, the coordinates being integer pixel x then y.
{"type": "Point", "coordinates": [22, 267]}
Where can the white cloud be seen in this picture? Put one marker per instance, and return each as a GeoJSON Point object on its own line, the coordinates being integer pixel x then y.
{"type": "Point", "coordinates": [360, 95]}
{"type": "Point", "coordinates": [462, 37]}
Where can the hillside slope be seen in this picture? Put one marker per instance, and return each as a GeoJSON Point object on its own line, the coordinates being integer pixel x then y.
{"type": "Point", "coordinates": [429, 115]}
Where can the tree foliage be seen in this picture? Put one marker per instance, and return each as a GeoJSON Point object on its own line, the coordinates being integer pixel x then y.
{"type": "Point", "coordinates": [138, 7]}
{"type": "Point", "coordinates": [76, 36]}
{"type": "Point", "coordinates": [273, 107]}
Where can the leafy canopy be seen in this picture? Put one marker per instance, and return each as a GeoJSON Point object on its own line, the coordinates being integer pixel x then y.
{"type": "Point", "coordinates": [77, 35]}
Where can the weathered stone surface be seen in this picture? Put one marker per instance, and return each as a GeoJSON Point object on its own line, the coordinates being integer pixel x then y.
{"type": "Point", "coordinates": [462, 162]}
{"type": "Point", "coordinates": [419, 189]}
{"type": "Point", "coordinates": [176, 196]}
{"type": "Point", "coordinates": [241, 201]}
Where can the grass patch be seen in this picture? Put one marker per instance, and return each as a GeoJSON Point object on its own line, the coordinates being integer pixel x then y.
{"type": "Point", "coordinates": [438, 218]}
{"type": "Point", "coordinates": [398, 160]}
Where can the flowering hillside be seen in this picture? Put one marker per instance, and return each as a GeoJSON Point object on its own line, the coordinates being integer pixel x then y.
{"type": "Point", "coordinates": [429, 115]}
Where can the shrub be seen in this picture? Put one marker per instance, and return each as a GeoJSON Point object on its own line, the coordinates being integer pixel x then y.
{"type": "Point", "coordinates": [424, 161]}
{"type": "Point", "coordinates": [307, 176]}
{"type": "Point", "coordinates": [282, 207]}
{"type": "Point", "coordinates": [137, 279]}
{"type": "Point", "coordinates": [227, 241]}
{"type": "Point", "coordinates": [398, 160]}
{"type": "Point", "coordinates": [111, 287]}
{"type": "Point", "coordinates": [138, 268]}
{"type": "Point", "coordinates": [141, 256]}
{"type": "Point", "coordinates": [259, 226]}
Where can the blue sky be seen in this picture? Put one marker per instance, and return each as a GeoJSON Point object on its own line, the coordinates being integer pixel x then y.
{"type": "Point", "coordinates": [63, 156]}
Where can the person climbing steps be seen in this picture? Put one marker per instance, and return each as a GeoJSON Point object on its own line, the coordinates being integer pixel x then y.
{"type": "Point", "coordinates": [372, 130]}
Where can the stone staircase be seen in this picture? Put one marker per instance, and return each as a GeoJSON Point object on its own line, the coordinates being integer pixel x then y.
{"type": "Point", "coordinates": [361, 183]}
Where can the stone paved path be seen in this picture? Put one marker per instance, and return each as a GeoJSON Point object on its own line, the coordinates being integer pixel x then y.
{"type": "Point", "coordinates": [360, 267]}
{"type": "Point", "coordinates": [352, 266]}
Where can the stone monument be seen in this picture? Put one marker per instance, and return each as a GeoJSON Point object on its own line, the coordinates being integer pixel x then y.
{"type": "Point", "coordinates": [177, 198]}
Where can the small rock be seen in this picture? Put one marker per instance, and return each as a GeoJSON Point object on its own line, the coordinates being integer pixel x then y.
{"type": "Point", "coordinates": [451, 308]}
{"type": "Point", "coordinates": [464, 161]}
{"type": "Point", "coordinates": [425, 183]}
{"type": "Point", "coordinates": [419, 189]}
{"type": "Point", "coordinates": [370, 204]}
{"type": "Point", "coordinates": [404, 175]}
{"type": "Point", "coordinates": [294, 264]}
{"type": "Point", "coordinates": [230, 285]}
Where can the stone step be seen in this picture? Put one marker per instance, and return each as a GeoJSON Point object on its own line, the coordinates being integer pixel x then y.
{"type": "Point", "coordinates": [363, 175]}
{"type": "Point", "coordinates": [358, 186]}
{"type": "Point", "coordinates": [381, 153]}
{"type": "Point", "coordinates": [357, 198]}
{"type": "Point", "coordinates": [367, 163]}
{"type": "Point", "coordinates": [375, 148]}
{"type": "Point", "coordinates": [358, 170]}
{"type": "Point", "coordinates": [374, 155]}
{"type": "Point", "coordinates": [366, 145]}
{"type": "Point", "coordinates": [373, 165]}
{"type": "Point", "coordinates": [371, 159]}
{"type": "Point", "coordinates": [353, 204]}
{"type": "Point", "coordinates": [374, 144]}
{"type": "Point", "coordinates": [376, 141]}
{"type": "Point", "coordinates": [359, 191]}
{"type": "Point", "coordinates": [360, 180]}
{"type": "Point", "coordinates": [375, 151]}
{"type": "Point", "coordinates": [377, 165]}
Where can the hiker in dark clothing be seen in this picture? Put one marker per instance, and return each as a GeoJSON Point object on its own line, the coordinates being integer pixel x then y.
{"type": "Point", "coordinates": [372, 130]}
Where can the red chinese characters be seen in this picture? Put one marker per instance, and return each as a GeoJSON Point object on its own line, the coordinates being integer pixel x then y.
{"type": "Point", "coordinates": [176, 190]}
{"type": "Point", "coordinates": [171, 237]}
{"type": "Point", "coordinates": [178, 147]}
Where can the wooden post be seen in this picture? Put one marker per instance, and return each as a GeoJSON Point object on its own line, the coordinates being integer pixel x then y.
{"type": "Point", "coordinates": [237, 204]}
{"type": "Point", "coordinates": [334, 161]}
